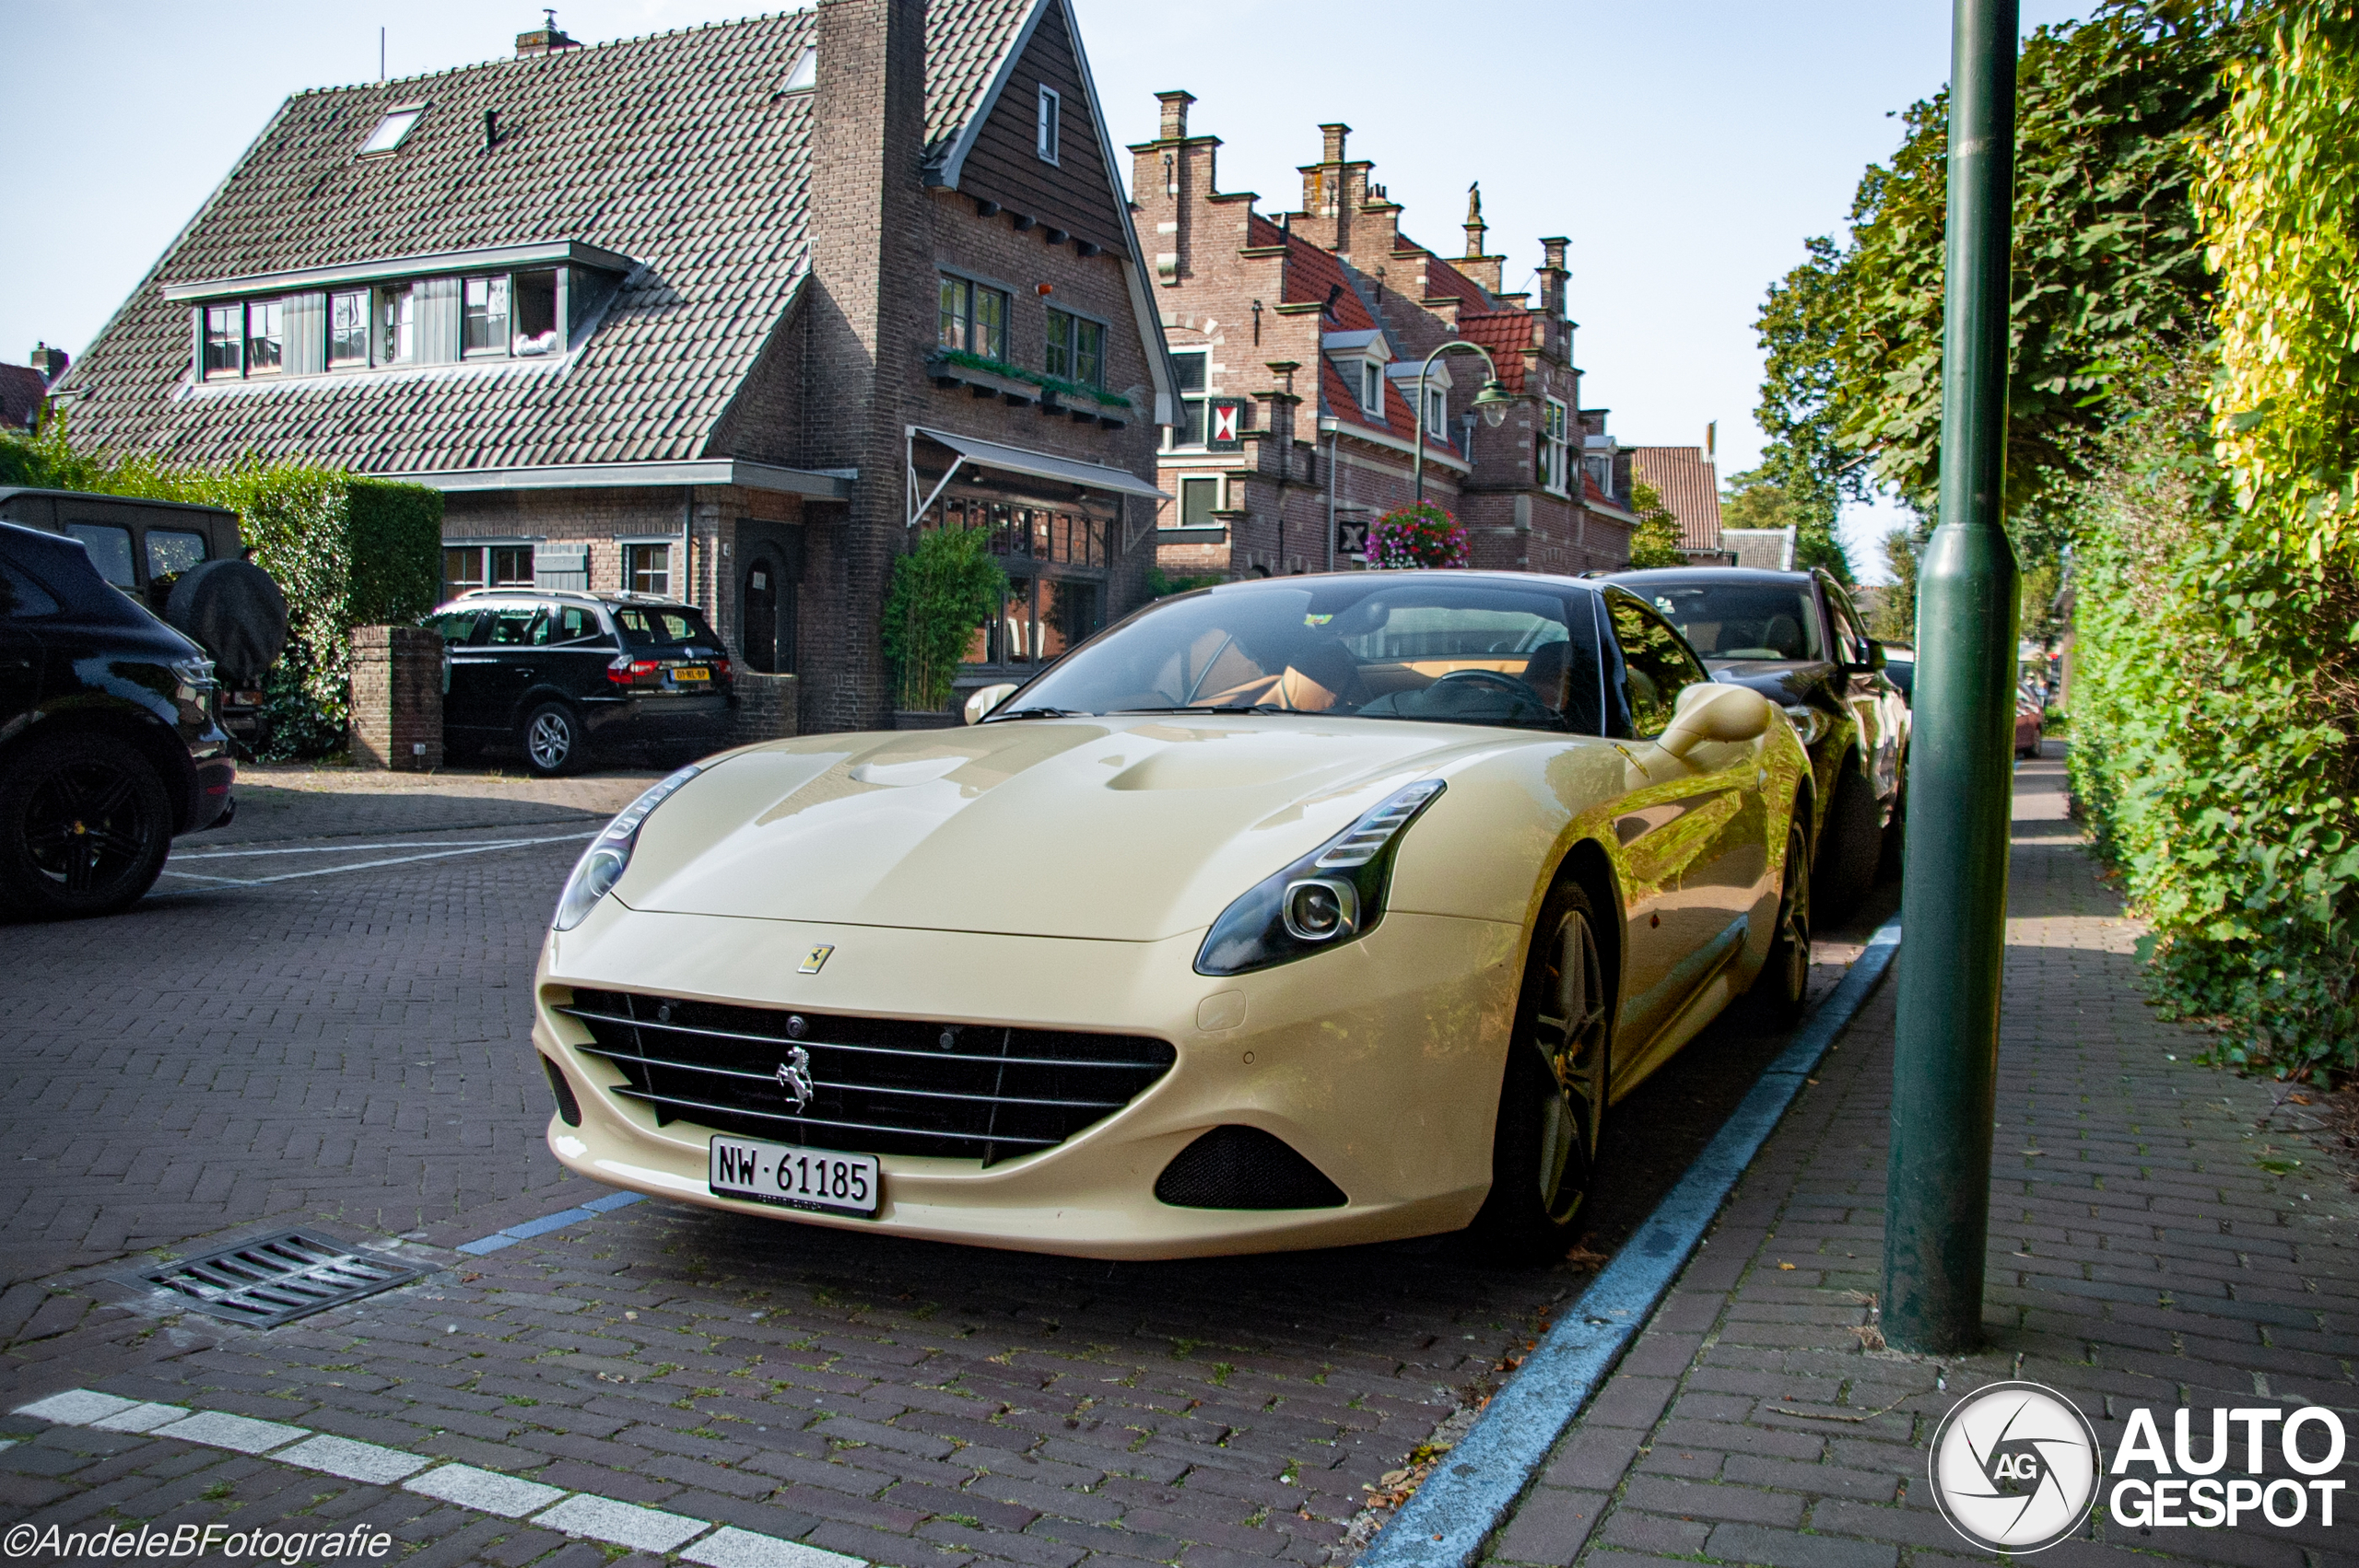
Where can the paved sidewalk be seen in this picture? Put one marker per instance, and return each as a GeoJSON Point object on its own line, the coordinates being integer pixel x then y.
{"type": "Point", "coordinates": [2160, 1235]}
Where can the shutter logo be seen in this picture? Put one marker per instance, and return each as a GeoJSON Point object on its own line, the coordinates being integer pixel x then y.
{"type": "Point", "coordinates": [2014, 1467]}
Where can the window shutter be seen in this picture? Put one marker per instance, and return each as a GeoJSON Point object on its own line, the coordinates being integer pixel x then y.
{"type": "Point", "coordinates": [306, 334]}
{"type": "Point", "coordinates": [196, 343]}
{"type": "Point", "coordinates": [438, 321]}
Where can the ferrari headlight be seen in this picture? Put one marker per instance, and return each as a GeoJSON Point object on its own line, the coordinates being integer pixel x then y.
{"type": "Point", "coordinates": [602, 863]}
{"type": "Point", "coordinates": [1327, 898]}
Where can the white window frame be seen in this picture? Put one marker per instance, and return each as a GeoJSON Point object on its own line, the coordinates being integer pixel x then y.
{"type": "Point", "coordinates": [393, 128]}
{"type": "Point", "coordinates": [1438, 410]}
{"type": "Point", "coordinates": [629, 546]}
{"type": "Point", "coordinates": [1199, 423]}
{"type": "Point", "coordinates": [1555, 420]}
{"type": "Point", "coordinates": [1179, 503]}
{"type": "Point", "coordinates": [1048, 127]}
{"type": "Point", "coordinates": [1372, 387]}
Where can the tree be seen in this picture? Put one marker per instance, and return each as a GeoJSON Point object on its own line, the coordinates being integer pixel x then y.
{"type": "Point", "coordinates": [1894, 616]}
{"type": "Point", "coordinates": [1754, 500]}
{"type": "Point", "coordinates": [941, 591]}
{"type": "Point", "coordinates": [1655, 542]}
{"type": "Point", "coordinates": [1806, 474]}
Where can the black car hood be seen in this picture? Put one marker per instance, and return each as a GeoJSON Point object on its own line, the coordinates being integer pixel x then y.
{"type": "Point", "coordinates": [1780, 680]}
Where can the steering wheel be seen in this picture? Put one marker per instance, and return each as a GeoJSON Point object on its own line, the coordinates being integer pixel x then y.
{"type": "Point", "coordinates": [1491, 677]}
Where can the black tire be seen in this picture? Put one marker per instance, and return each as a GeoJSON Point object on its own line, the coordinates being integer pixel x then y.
{"type": "Point", "coordinates": [1850, 843]}
{"type": "Point", "coordinates": [1552, 1101]}
{"type": "Point", "coordinates": [1777, 992]}
{"type": "Point", "coordinates": [85, 825]}
{"type": "Point", "coordinates": [553, 742]}
{"type": "Point", "coordinates": [1891, 860]}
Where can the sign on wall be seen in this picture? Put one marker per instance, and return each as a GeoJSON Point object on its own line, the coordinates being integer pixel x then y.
{"type": "Point", "coordinates": [1225, 432]}
{"type": "Point", "coordinates": [1351, 539]}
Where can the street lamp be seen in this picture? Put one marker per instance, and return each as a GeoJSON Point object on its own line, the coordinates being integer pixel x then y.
{"type": "Point", "coordinates": [1492, 403]}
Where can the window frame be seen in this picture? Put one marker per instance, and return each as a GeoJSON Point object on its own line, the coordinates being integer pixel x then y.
{"type": "Point", "coordinates": [1372, 377]}
{"type": "Point", "coordinates": [971, 292]}
{"type": "Point", "coordinates": [499, 286]}
{"type": "Point", "coordinates": [365, 358]}
{"type": "Point", "coordinates": [1197, 483]}
{"type": "Point", "coordinates": [1195, 412]}
{"type": "Point", "coordinates": [1078, 325]}
{"type": "Point", "coordinates": [633, 553]}
{"type": "Point", "coordinates": [233, 313]}
{"type": "Point", "coordinates": [1556, 446]}
{"type": "Point", "coordinates": [1048, 124]}
{"type": "Point", "coordinates": [414, 112]}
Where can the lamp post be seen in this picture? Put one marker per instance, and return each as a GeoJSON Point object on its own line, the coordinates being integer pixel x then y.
{"type": "Point", "coordinates": [1945, 1070]}
{"type": "Point", "coordinates": [1492, 403]}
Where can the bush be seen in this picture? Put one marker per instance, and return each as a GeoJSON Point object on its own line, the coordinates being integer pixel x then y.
{"type": "Point", "coordinates": [1421, 534]}
{"type": "Point", "coordinates": [346, 551]}
{"type": "Point", "coordinates": [941, 591]}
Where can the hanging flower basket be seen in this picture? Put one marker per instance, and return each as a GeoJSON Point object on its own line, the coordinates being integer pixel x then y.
{"type": "Point", "coordinates": [1416, 537]}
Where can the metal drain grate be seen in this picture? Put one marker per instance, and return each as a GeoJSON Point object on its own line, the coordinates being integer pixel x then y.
{"type": "Point", "coordinates": [279, 1278]}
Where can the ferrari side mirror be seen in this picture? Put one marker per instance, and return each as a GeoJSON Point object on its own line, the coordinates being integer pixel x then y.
{"type": "Point", "coordinates": [979, 706]}
{"type": "Point", "coordinates": [1709, 712]}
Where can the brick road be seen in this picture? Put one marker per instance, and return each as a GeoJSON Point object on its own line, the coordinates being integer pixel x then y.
{"type": "Point", "coordinates": [349, 1050]}
{"type": "Point", "coordinates": [2160, 1235]}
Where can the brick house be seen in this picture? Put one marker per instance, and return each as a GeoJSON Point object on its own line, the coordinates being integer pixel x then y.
{"type": "Point", "coordinates": [1688, 480]}
{"type": "Point", "coordinates": [1297, 342]}
{"type": "Point", "coordinates": [728, 313]}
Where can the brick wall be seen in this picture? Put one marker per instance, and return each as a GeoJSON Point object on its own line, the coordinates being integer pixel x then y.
{"type": "Point", "coordinates": [396, 698]}
{"type": "Point", "coordinates": [767, 706]}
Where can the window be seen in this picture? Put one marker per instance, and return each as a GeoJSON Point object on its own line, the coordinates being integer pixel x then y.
{"type": "Point", "coordinates": [511, 625]}
{"type": "Point", "coordinates": [1372, 387]}
{"type": "Point", "coordinates": [1656, 667]}
{"type": "Point", "coordinates": [1198, 498]}
{"type": "Point", "coordinates": [348, 328]}
{"type": "Point", "coordinates": [1191, 365]}
{"type": "Point", "coordinates": [1077, 348]}
{"type": "Point", "coordinates": [566, 623]}
{"type": "Point", "coordinates": [1048, 130]}
{"type": "Point", "coordinates": [647, 569]}
{"type": "Point", "coordinates": [394, 129]}
{"type": "Point", "coordinates": [484, 315]}
{"type": "Point", "coordinates": [973, 318]}
{"type": "Point", "coordinates": [486, 565]}
{"type": "Point", "coordinates": [1553, 466]}
{"type": "Point", "coordinates": [805, 74]}
{"type": "Point", "coordinates": [173, 550]}
{"type": "Point", "coordinates": [455, 626]}
{"type": "Point", "coordinates": [642, 627]}
{"type": "Point", "coordinates": [1744, 620]}
{"type": "Point", "coordinates": [225, 340]}
{"type": "Point", "coordinates": [265, 337]}
{"type": "Point", "coordinates": [1438, 410]}
{"type": "Point", "coordinates": [511, 565]}
{"type": "Point", "coordinates": [110, 550]}
{"type": "Point", "coordinates": [461, 569]}
{"type": "Point", "coordinates": [535, 318]}
{"type": "Point", "coordinates": [22, 599]}
{"type": "Point", "coordinates": [397, 325]}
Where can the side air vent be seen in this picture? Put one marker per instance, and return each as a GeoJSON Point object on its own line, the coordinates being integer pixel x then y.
{"type": "Point", "coordinates": [569, 1109]}
{"type": "Point", "coordinates": [1244, 1167]}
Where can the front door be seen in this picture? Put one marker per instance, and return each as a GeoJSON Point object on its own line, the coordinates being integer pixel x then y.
{"type": "Point", "coordinates": [758, 600]}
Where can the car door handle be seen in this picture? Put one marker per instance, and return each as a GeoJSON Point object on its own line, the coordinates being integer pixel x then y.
{"type": "Point", "coordinates": [525, 672]}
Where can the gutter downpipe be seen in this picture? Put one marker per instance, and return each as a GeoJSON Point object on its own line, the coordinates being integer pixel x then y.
{"type": "Point", "coordinates": [1332, 434]}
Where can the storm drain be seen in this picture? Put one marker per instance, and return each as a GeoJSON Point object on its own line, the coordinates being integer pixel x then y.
{"type": "Point", "coordinates": [279, 1279]}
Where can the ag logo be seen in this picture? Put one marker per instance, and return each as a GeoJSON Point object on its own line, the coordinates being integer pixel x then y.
{"type": "Point", "coordinates": [2015, 1467]}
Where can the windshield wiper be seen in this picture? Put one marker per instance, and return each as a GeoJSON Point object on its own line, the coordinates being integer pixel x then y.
{"type": "Point", "coordinates": [1216, 707]}
{"type": "Point", "coordinates": [1038, 713]}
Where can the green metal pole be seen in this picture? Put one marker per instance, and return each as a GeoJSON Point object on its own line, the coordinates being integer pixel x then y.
{"type": "Point", "coordinates": [1937, 1207]}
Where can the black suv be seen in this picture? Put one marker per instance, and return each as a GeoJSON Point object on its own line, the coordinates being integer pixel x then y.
{"type": "Point", "coordinates": [555, 672]}
{"type": "Point", "coordinates": [111, 741]}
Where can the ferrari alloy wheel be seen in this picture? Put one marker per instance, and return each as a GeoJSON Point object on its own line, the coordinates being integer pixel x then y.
{"type": "Point", "coordinates": [552, 740]}
{"type": "Point", "coordinates": [84, 826]}
{"type": "Point", "coordinates": [1777, 991]}
{"type": "Point", "coordinates": [1551, 1104]}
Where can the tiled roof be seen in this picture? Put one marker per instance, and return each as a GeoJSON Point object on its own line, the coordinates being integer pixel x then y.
{"type": "Point", "coordinates": [1446, 281]}
{"type": "Point", "coordinates": [966, 41]}
{"type": "Point", "coordinates": [1593, 495]}
{"type": "Point", "coordinates": [1312, 274]}
{"type": "Point", "coordinates": [1690, 488]}
{"type": "Point", "coordinates": [21, 390]}
{"type": "Point", "coordinates": [1507, 335]}
{"type": "Point", "coordinates": [677, 150]}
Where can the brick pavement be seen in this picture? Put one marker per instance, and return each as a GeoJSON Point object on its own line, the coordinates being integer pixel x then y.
{"type": "Point", "coordinates": [2161, 1235]}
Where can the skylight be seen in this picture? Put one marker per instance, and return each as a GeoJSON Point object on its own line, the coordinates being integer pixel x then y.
{"type": "Point", "coordinates": [394, 129]}
{"type": "Point", "coordinates": [806, 73]}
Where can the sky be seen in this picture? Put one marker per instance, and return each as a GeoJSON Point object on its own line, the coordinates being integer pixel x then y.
{"type": "Point", "coordinates": [1688, 148]}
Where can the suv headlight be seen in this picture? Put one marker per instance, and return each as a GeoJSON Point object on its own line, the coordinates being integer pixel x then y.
{"type": "Point", "coordinates": [1329, 897]}
{"type": "Point", "coordinates": [601, 865]}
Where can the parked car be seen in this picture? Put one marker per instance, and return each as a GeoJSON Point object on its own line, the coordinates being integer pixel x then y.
{"type": "Point", "coordinates": [560, 673]}
{"type": "Point", "coordinates": [1293, 912]}
{"type": "Point", "coordinates": [1796, 638]}
{"type": "Point", "coordinates": [110, 738]}
{"type": "Point", "coordinates": [2031, 721]}
{"type": "Point", "coordinates": [187, 565]}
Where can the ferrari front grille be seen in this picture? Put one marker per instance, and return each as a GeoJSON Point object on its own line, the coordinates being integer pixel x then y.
{"type": "Point", "coordinates": [864, 1085]}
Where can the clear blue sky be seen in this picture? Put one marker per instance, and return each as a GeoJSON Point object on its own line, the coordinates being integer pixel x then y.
{"type": "Point", "coordinates": [1688, 148]}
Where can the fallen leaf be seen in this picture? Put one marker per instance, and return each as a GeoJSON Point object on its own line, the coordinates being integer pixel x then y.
{"type": "Point", "coordinates": [1786, 1265]}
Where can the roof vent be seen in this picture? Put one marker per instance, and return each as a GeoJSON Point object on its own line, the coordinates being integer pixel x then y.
{"type": "Point", "coordinates": [544, 39]}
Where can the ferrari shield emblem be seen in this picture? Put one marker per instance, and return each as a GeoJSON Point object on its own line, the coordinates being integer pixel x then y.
{"type": "Point", "coordinates": [813, 960]}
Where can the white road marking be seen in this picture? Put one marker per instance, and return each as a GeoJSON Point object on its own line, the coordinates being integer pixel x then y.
{"type": "Point", "coordinates": [624, 1524]}
{"type": "Point", "coordinates": [487, 1492]}
{"type": "Point", "coordinates": [391, 860]}
{"type": "Point", "coordinates": [218, 1429]}
{"type": "Point", "coordinates": [353, 1461]}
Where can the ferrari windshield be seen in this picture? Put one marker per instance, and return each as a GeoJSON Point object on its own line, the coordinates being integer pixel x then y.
{"type": "Point", "coordinates": [1743, 620]}
{"type": "Point", "coordinates": [1435, 647]}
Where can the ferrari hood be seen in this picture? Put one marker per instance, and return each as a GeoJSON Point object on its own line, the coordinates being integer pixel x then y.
{"type": "Point", "coordinates": [1130, 829]}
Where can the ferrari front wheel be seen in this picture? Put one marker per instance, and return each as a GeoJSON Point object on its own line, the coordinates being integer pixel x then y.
{"type": "Point", "coordinates": [1783, 984]}
{"type": "Point", "coordinates": [1552, 1101]}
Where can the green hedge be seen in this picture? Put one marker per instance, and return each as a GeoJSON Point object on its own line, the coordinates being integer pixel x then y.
{"type": "Point", "coordinates": [346, 550]}
{"type": "Point", "coordinates": [941, 591]}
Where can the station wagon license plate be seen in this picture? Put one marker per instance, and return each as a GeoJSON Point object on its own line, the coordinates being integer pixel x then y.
{"type": "Point", "coordinates": [794, 1178]}
{"type": "Point", "coordinates": [692, 672]}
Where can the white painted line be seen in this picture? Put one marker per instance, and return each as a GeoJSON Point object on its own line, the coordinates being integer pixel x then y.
{"type": "Point", "coordinates": [392, 861]}
{"type": "Point", "coordinates": [242, 1434]}
{"type": "Point", "coordinates": [730, 1547]}
{"type": "Point", "coordinates": [624, 1524]}
{"type": "Point", "coordinates": [353, 1461]}
{"type": "Point", "coordinates": [483, 1491]}
{"type": "Point", "coordinates": [356, 848]}
{"type": "Point", "coordinates": [75, 1406]}
{"type": "Point", "coordinates": [142, 1418]}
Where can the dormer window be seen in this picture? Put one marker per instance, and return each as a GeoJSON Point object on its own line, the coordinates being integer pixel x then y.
{"type": "Point", "coordinates": [1048, 131]}
{"type": "Point", "coordinates": [1372, 387]}
{"type": "Point", "coordinates": [394, 129]}
{"type": "Point", "coordinates": [1438, 410]}
{"type": "Point", "coordinates": [348, 328]}
{"type": "Point", "coordinates": [805, 74]}
{"type": "Point", "coordinates": [482, 327]}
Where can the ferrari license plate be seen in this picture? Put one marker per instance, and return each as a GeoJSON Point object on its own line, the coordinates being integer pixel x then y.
{"type": "Point", "coordinates": [794, 1178]}
{"type": "Point", "coordinates": [692, 672]}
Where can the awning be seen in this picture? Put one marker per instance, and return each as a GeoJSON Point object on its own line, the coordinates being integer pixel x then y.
{"type": "Point", "coordinates": [1040, 465]}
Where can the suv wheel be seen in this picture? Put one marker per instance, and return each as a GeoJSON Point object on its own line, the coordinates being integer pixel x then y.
{"type": "Point", "coordinates": [552, 740]}
{"type": "Point", "coordinates": [85, 825]}
{"type": "Point", "coordinates": [1850, 842]}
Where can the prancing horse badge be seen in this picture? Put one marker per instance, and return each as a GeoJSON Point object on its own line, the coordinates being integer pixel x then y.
{"type": "Point", "coordinates": [813, 960]}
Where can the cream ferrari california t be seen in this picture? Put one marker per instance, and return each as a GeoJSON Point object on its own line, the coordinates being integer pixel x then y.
{"type": "Point", "coordinates": [1287, 913]}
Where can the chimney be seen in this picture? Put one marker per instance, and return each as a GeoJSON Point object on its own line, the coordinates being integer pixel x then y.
{"type": "Point", "coordinates": [1488, 271]}
{"type": "Point", "coordinates": [1552, 274]}
{"type": "Point", "coordinates": [868, 320]}
{"type": "Point", "coordinates": [1174, 115]}
{"type": "Point", "coordinates": [1332, 138]}
{"type": "Point", "coordinates": [49, 362]}
{"type": "Point", "coordinates": [545, 38]}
